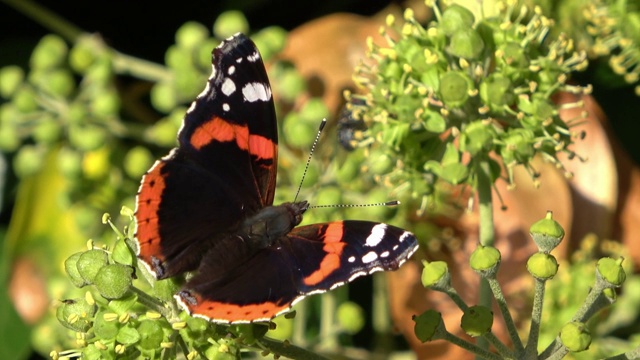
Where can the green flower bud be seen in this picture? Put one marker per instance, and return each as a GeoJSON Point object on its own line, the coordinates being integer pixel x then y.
{"type": "Point", "coordinates": [314, 110]}
{"type": "Point", "coordinates": [575, 336]}
{"type": "Point", "coordinates": [191, 34]}
{"type": "Point", "coordinates": [28, 160]}
{"type": "Point", "coordinates": [454, 18]}
{"type": "Point", "coordinates": [547, 233]}
{"type": "Point", "coordinates": [87, 137]}
{"type": "Point", "coordinates": [348, 171]}
{"type": "Point", "coordinates": [165, 289]}
{"type": "Point", "coordinates": [71, 268]}
{"type": "Point", "coordinates": [128, 336]}
{"type": "Point", "coordinates": [123, 305]}
{"type": "Point", "coordinates": [455, 173]}
{"type": "Point", "coordinates": [105, 326]}
{"type": "Point", "coordinates": [47, 130]}
{"type": "Point", "coordinates": [163, 132]}
{"type": "Point", "coordinates": [105, 104]}
{"type": "Point", "coordinates": [436, 275]}
{"type": "Point", "coordinates": [49, 53]}
{"type": "Point", "coordinates": [90, 262]}
{"type": "Point", "coordinates": [290, 84]}
{"type": "Point", "coordinates": [351, 317]}
{"type": "Point", "coordinates": [229, 23]}
{"type": "Point", "coordinates": [427, 325]}
{"type": "Point", "coordinates": [515, 56]}
{"type": "Point", "coordinates": [76, 314]}
{"type": "Point", "coordinates": [380, 163]}
{"type": "Point", "coordinates": [113, 281]}
{"type": "Point", "coordinates": [542, 265]}
{"type": "Point", "coordinates": [83, 54]}
{"type": "Point", "coordinates": [298, 133]}
{"type": "Point", "coordinates": [477, 137]}
{"type": "Point", "coordinates": [123, 254]}
{"type": "Point", "coordinates": [137, 161]}
{"type": "Point", "coordinates": [454, 88]}
{"type": "Point", "coordinates": [497, 92]}
{"type": "Point", "coordinates": [69, 162]}
{"type": "Point", "coordinates": [100, 73]}
{"type": "Point", "coordinates": [466, 44]}
{"type": "Point", "coordinates": [518, 146]}
{"type": "Point", "coordinates": [163, 96]}
{"type": "Point", "coordinates": [58, 82]}
{"type": "Point", "coordinates": [611, 271]}
{"type": "Point", "coordinates": [24, 100]}
{"type": "Point", "coordinates": [477, 320]}
{"type": "Point", "coordinates": [177, 57]}
{"type": "Point", "coordinates": [187, 83]}
{"type": "Point", "coordinates": [485, 260]}
{"type": "Point", "coordinates": [11, 77]}
{"type": "Point", "coordinates": [270, 40]}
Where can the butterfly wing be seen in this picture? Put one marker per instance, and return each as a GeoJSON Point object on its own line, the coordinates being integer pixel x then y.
{"type": "Point", "coordinates": [223, 170]}
{"type": "Point", "coordinates": [310, 259]}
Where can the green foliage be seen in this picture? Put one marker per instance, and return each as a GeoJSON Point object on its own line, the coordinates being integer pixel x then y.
{"type": "Point", "coordinates": [430, 87]}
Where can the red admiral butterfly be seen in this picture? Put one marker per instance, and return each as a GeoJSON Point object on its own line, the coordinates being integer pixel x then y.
{"type": "Point", "coordinates": [208, 207]}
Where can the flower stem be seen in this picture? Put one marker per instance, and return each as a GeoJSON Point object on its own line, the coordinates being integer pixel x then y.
{"type": "Point", "coordinates": [536, 317]}
{"type": "Point", "coordinates": [286, 349]}
{"type": "Point", "coordinates": [486, 231]}
{"type": "Point", "coordinates": [504, 309]}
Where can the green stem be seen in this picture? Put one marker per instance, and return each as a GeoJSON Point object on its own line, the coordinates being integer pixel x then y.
{"type": "Point", "coordinates": [328, 340]}
{"type": "Point", "coordinates": [504, 309]}
{"type": "Point", "coordinates": [632, 354]}
{"type": "Point", "coordinates": [479, 351]}
{"type": "Point", "coordinates": [46, 18]}
{"type": "Point", "coordinates": [288, 350]}
{"type": "Point", "coordinates": [151, 303]}
{"type": "Point", "coordinates": [536, 316]}
{"type": "Point", "coordinates": [486, 231]}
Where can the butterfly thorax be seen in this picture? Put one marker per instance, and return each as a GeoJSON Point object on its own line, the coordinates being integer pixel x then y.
{"type": "Point", "coordinates": [271, 223]}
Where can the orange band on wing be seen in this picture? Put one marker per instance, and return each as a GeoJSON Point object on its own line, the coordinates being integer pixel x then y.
{"type": "Point", "coordinates": [333, 246]}
{"type": "Point", "coordinates": [147, 214]}
{"type": "Point", "coordinates": [234, 313]}
{"type": "Point", "coordinates": [220, 130]}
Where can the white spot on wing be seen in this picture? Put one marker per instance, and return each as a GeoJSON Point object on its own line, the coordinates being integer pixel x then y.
{"type": "Point", "coordinates": [384, 254]}
{"type": "Point", "coordinates": [256, 91]}
{"type": "Point", "coordinates": [226, 107]}
{"type": "Point", "coordinates": [231, 70]}
{"type": "Point", "coordinates": [369, 257]}
{"type": "Point", "coordinates": [254, 57]}
{"type": "Point", "coordinates": [405, 235]}
{"type": "Point", "coordinates": [351, 259]}
{"type": "Point", "coordinates": [228, 87]}
{"type": "Point", "coordinates": [377, 233]}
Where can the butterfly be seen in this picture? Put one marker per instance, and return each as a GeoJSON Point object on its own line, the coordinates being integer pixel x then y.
{"type": "Point", "coordinates": [207, 207]}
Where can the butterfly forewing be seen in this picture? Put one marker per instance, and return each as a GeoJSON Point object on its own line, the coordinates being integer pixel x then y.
{"type": "Point", "coordinates": [223, 170]}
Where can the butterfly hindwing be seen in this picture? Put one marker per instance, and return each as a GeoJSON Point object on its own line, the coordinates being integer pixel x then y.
{"type": "Point", "coordinates": [223, 170]}
{"type": "Point", "coordinates": [310, 259]}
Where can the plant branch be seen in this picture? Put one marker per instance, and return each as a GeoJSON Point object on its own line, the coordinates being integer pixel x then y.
{"type": "Point", "coordinates": [536, 317]}
{"type": "Point", "coordinates": [286, 349]}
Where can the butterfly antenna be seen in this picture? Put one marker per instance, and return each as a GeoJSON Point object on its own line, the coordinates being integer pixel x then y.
{"type": "Point", "coordinates": [387, 203]}
{"type": "Point", "coordinates": [313, 148]}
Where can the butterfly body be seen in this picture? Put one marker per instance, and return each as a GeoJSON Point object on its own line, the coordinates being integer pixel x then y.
{"type": "Point", "coordinates": [207, 207]}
